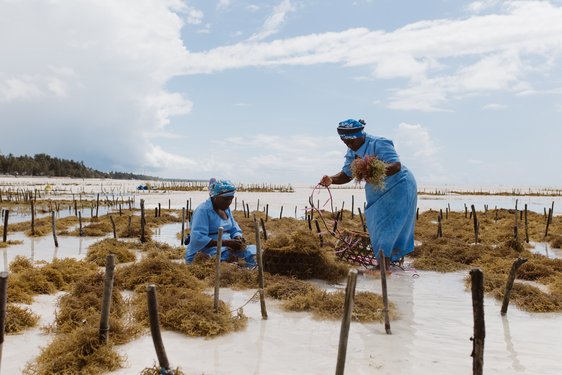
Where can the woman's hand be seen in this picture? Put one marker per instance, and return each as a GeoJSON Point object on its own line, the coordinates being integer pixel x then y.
{"type": "Point", "coordinates": [326, 181]}
{"type": "Point", "coordinates": [237, 244]}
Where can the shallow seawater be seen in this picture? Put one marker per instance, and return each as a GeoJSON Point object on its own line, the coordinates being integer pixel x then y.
{"type": "Point", "coordinates": [431, 335]}
{"type": "Point", "coordinates": [543, 248]}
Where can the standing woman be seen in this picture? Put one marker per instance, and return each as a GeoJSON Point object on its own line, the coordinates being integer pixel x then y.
{"type": "Point", "coordinates": [390, 211]}
{"type": "Point", "coordinates": [205, 223]}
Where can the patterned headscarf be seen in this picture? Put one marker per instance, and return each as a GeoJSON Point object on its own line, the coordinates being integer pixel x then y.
{"type": "Point", "coordinates": [350, 129]}
{"type": "Point", "coordinates": [224, 188]}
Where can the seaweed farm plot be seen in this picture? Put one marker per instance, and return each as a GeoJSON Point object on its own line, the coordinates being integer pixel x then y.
{"type": "Point", "coordinates": [55, 291]}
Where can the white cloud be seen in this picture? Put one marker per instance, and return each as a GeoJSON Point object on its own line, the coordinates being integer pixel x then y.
{"type": "Point", "coordinates": [494, 107]}
{"type": "Point", "coordinates": [223, 4]}
{"type": "Point", "coordinates": [503, 48]}
{"type": "Point", "coordinates": [295, 158]}
{"type": "Point", "coordinates": [194, 16]}
{"type": "Point", "coordinates": [479, 6]}
{"type": "Point", "coordinates": [88, 86]}
{"type": "Point", "coordinates": [274, 21]}
{"type": "Point", "coordinates": [419, 152]}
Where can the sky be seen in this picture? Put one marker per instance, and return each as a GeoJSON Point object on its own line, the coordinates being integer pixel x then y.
{"type": "Point", "coordinates": [470, 92]}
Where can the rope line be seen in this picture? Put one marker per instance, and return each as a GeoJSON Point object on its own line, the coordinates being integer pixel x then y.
{"type": "Point", "coordinates": [247, 302]}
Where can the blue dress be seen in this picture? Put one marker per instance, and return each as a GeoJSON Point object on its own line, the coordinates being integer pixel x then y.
{"type": "Point", "coordinates": [205, 224]}
{"type": "Point", "coordinates": [391, 212]}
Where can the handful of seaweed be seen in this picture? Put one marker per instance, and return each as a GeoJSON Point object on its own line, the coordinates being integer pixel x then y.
{"type": "Point", "coordinates": [369, 169]}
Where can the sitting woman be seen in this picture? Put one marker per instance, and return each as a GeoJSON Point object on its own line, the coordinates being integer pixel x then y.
{"type": "Point", "coordinates": [205, 223]}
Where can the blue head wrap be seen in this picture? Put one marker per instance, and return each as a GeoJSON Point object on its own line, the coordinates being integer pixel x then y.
{"type": "Point", "coordinates": [350, 129]}
{"type": "Point", "coordinates": [224, 188]}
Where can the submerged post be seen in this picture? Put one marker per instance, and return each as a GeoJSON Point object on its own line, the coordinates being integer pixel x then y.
{"type": "Point", "coordinates": [106, 301]}
{"type": "Point", "coordinates": [477, 280]}
{"type": "Point", "coordinates": [155, 329]}
{"type": "Point", "coordinates": [382, 262]}
{"type": "Point", "coordinates": [346, 320]}
{"type": "Point", "coordinates": [510, 280]}
{"type": "Point", "coordinates": [259, 259]}
{"type": "Point", "coordinates": [218, 270]}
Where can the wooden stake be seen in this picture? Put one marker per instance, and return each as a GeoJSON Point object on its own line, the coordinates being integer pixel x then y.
{"type": "Point", "coordinates": [155, 329]}
{"type": "Point", "coordinates": [281, 213]}
{"type": "Point", "coordinates": [80, 230]}
{"type": "Point", "coordinates": [3, 304]}
{"type": "Point", "coordinates": [515, 228]}
{"type": "Point", "coordinates": [259, 259]}
{"type": "Point", "coordinates": [113, 226]}
{"type": "Point", "coordinates": [346, 320]}
{"type": "Point", "coordinates": [54, 227]}
{"type": "Point", "coordinates": [218, 270]}
{"type": "Point", "coordinates": [526, 225]}
{"type": "Point", "coordinates": [362, 220]}
{"type": "Point", "coordinates": [352, 206]}
{"type": "Point", "coordinates": [382, 262]}
{"type": "Point", "coordinates": [477, 279]}
{"type": "Point", "coordinates": [266, 211]}
{"type": "Point", "coordinates": [143, 222]}
{"type": "Point", "coordinates": [106, 301]}
{"type": "Point", "coordinates": [510, 280]}
{"type": "Point", "coordinates": [5, 234]}
{"type": "Point", "coordinates": [548, 220]}
{"type": "Point", "coordinates": [476, 224]}
{"type": "Point", "coordinates": [319, 234]}
{"type": "Point", "coordinates": [263, 228]}
{"type": "Point", "coordinates": [32, 218]}
{"type": "Point", "coordinates": [97, 204]}
{"type": "Point", "coordinates": [439, 228]}
{"type": "Point", "coordinates": [182, 225]}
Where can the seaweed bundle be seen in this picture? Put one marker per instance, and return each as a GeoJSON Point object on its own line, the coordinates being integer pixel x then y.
{"type": "Point", "coordinates": [369, 169]}
{"type": "Point", "coordinates": [19, 318]}
{"type": "Point", "coordinates": [190, 312]}
{"type": "Point", "coordinates": [98, 252]}
{"type": "Point", "coordinates": [299, 254]}
{"type": "Point", "coordinates": [157, 270]}
{"type": "Point", "coordinates": [77, 352]}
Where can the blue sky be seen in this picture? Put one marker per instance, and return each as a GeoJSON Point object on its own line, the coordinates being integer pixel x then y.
{"type": "Point", "coordinates": [469, 91]}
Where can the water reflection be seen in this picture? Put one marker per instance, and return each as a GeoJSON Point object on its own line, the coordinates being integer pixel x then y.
{"type": "Point", "coordinates": [542, 248]}
{"type": "Point", "coordinates": [517, 366]}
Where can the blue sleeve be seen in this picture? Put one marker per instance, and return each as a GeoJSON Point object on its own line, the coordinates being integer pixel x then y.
{"type": "Point", "coordinates": [235, 231]}
{"type": "Point", "coordinates": [349, 156]}
{"type": "Point", "coordinates": [384, 150]}
{"type": "Point", "coordinates": [199, 230]}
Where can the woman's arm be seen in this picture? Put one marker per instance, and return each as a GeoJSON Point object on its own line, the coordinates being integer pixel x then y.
{"type": "Point", "coordinates": [393, 168]}
{"type": "Point", "coordinates": [337, 179]}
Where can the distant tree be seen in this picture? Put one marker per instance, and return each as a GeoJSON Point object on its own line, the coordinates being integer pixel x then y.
{"type": "Point", "coordinates": [45, 165]}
